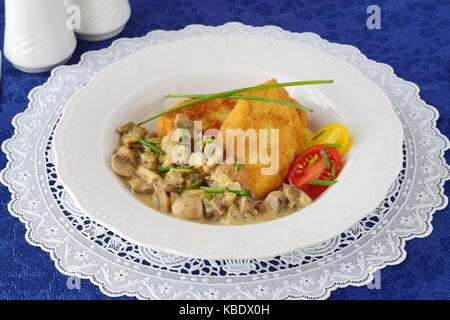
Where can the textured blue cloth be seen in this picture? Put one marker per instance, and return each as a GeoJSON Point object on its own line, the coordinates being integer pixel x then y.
{"type": "Point", "coordinates": [414, 39]}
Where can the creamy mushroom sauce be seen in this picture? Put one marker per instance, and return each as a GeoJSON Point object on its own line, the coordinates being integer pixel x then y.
{"type": "Point", "coordinates": [137, 165]}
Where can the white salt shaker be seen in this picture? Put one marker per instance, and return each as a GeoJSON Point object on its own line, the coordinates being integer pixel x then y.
{"type": "Point", "coordinates": [37, 37]}
{"type": "Point", "coordinates": [100, 19]}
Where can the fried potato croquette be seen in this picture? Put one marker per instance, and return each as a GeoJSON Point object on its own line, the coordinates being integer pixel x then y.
{"type": "Point", "coordinates": [254, 114]}
{"type": "Point", "coordinates": [211, 112]}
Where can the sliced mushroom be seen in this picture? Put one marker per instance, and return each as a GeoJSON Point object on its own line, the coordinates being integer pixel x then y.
{"type": "Point", "coordinates": [214, 209]}
{"type": "Point", "coordinates": [233, 213]}
{"type": "Point", "coordinates": [241, 210]}
{"type": "Point", "coordinates": [192, 177]}
{"type": "Point", "coordinates": [260, 207]}
{"type": "Point", "coordinates": [161, 197]}
{"type": "Point", "coordinates": [229, 198]}
{"type": "Point", "coordinates": [247, 206]}
{"type": "Point", "coordinates": [131, 137]}
{"type": "Point", "coordinates": [122, 165]}
{"type": "Point", "coordinates": [139, 185]}
{"type": "Point", "coordinates": [296, 198]}
{"type": "Point", "coordinates": [170, 187]}
{"type": "Point", "coordinates": [149, 160]}
{"type": "Point", "coordinates": [236, 215]}
{"type": "Point", "coordinates": [127, 127]}
{"type": "Point", "coordinates": [218, 178]}
{"type": "Point", "coordinates": [188, 207]}
{"type": "Point", "coordinates": [176, 176]}
{"type": "Point", "coordinates": [149, 176]}
{"type": "Point", "coordinates": [128, 153]}
{"type": "Point", "coordinates": [276, 201]}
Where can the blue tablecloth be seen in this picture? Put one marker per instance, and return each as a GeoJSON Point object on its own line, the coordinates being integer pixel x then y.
{"type": "Point", "coordinates": [414, 39]}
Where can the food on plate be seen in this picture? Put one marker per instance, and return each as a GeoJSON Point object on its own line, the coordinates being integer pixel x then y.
{"type": "Point", "coordinates": [254, 114]}
{"type": "Point", "coordinates": [334, 133]}
{"type": "Point", "coordinates": [211, 113]}
{"type": "Point", "coordinates": [315, 169]}
{"type": "Point", "coordinates": [176, 170]}
{"type": "Point", "coordinates": [306, 136]}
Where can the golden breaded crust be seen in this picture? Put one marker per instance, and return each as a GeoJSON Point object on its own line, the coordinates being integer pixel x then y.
{"type": "Point", "coordinates": [211, 112]}
{"type": "Point", "coordinates": [305, 136]}
{"type": "Point", "coordinates": [255, 114]}
{"type": "Point", "coordinates": [301, 113]}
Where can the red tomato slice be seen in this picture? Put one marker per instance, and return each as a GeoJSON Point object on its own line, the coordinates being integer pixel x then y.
{"type": "Point", "coordinates": [311, 165]}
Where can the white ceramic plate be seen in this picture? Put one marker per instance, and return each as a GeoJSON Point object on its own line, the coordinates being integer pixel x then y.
{"type": "Point", "coordinates": [134, 88]}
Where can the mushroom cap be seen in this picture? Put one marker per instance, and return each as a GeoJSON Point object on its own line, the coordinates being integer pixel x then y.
{"type": "Point", "coordinates": [122, 166]}
{"type": "Point", "coordinates": [188, 207]}
{"type": "Point", "coordinates": [276, 200]}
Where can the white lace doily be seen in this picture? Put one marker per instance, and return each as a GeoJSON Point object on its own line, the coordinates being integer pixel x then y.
{"type": "Point", "coordinates": [80, 247]}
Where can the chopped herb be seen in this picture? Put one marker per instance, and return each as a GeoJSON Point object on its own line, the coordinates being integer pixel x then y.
{"type": "Point", "coordinates": [321, 132]}
{"type": "Point", "coordinates": [214, 190]}
{"type": "Point", "coordinates": [238, 166]}
{"type": "Point", "coordinates": [196, 183]}
{"type": "Point", "coordinates": [208, 196]}
{"type": "Point", "coordinates": [206, 141]}
{"type": "Point", "coordinates": [151, 145]}
{"type": "Point", "coordinates": [228, 93]}
{"type": "Point", "coordinates": [166, 169]}
{"type": "Point", "coordinates": [322, 182]}
{"type": "Point", "coordinates": [333, 170]}
{"type": "Point", "coordinates": [282, 102]}
{"type": "Point", "coordinates": [240, 193]}
{"type": "Point", "coordinates": [325, 158]}
{"type": "Point", "coordinates": [333, 145]}
{"type": "Point", "coordinates": [313, 159]}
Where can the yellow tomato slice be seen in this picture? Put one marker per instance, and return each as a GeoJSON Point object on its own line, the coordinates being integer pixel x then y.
{"type": "Point", "coordinates": [334, 133]}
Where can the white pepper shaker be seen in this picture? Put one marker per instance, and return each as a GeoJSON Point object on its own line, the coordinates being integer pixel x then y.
{"type": "Point", "coordinates": [100, 19]}
{"type": "Point", "coordinates": [37, 37]}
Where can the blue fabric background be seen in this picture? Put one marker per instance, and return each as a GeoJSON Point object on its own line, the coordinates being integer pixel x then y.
{"type": "Point", "coordinates": [414, 40]}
